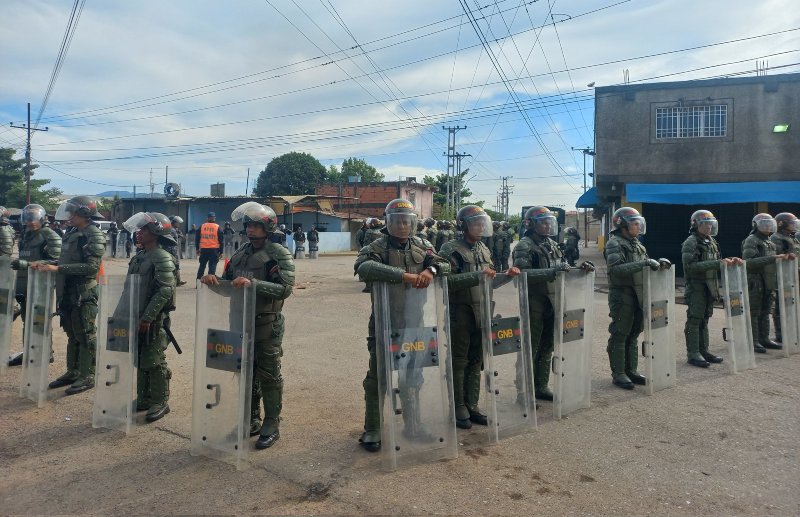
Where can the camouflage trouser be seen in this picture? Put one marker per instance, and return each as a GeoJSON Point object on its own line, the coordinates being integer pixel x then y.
{"type": "Point", "coordinates": [699, 308]}
{"type": "Point", "coordinates": [542, 323]}
{"type": "Point", "coordinates": [78, 321]}
{"type": "Point", "coordinates": [626, 324]}
{"type": "Point", "coordinates": [467, 341]}
{"type": "Point", "coordinates": [267, 378]}
{"type": "Point", "coordinates": [761, 300]}
{"type": "Point", "coordinates": [153, 374]}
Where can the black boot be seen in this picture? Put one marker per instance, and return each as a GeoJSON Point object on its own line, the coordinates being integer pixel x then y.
{"type": "Point", "coordinates": [265, 441]}
{"type": "Point", "coordinates": [636, 378]}
{"type": "Point", "coordinates": [772, 345]}
{"type": "Point", "coordinates": [157, 412]}
{"type": "Point", "coordinates": [370, 441]}
{"type": "Point", "coordinates": [476, 416]}
{"type": "Point", "coordinates": [711, 358]}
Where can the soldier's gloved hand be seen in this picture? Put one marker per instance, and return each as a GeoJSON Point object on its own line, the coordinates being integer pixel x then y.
{"type": "Point", "coordinates": [654, 265]}
{"type": "Point", "coordinates": [727, 262]}
{"type": "Point", "coordinates": [587, 266]}
{"type": "Point", "coordinates": [737, 260]}
{"type": "Point", "coordinates": [15, 265]}
{"type": "Point", "coordinates": [665, 263]}
{"type": "Point", "coordinates": [563, 267]}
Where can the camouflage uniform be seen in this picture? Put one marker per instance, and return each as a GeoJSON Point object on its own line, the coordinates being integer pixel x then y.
{"type": "Point", "coordinates": [501, 249]}
{"type": "Point", "coordinates": [42, 245]}
{"type": "Point", "coordinates": [77, 293]}
{"type": "Point", "coordinates": [157, 274]}
{"type": "Point", "coordinates": [540, 259]}
{"type": "Point", "coordinates": [6, 239]}
{"type": "Point", "coordinates": [701, 263]}
{"type": "Point", "coordinates": [571, 251]}
{"type": "Point", "coordinates": [467, 261]}
{"type": "Point", "coordinates": [271, 269]}
{"type": "Point", "coordinates": [444, 235]}
{"type": "Point", "coordinates": [762, 282]}
{"type": "Point", "coordinates": [626, 258]}
{"type": "Point", "coordinates": [783, 244]}
{"type": "Point", "coordinates": [384, 260]}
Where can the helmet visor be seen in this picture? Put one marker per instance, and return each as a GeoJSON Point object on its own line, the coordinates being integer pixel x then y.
{"type": "Point", "coordinates": [401, 226]}
{"type": "Point", "coordinates": [479, 226]}
{"type": "Point", "coordinates": [65, 211]}
{"type": "Point", "coordinates": [791, 226]}
{"type": "Point", "coordinates": [703, 226]}
{"type": "Point", "coordinates": [33, 214]}
{"type": "Point", "coordinates": [767, 225]}
{"type": "Point", "coordinates": [177, 220]}
{"type": "Point", "coordinates": [137, 221]}
{"type": "Point", "coordinates": [546, 225]}
{"type": "Point", "coordinates": [637, 221]}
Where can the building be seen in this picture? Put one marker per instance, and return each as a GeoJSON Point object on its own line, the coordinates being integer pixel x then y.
{"type": "Point", "coordinates": [371, 198]}
{"type": "Point", "coordinates": [728, 145]}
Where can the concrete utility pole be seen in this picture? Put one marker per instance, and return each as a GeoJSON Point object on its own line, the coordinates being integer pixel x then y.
{"type": "Point", "coordinates": [451, 164]}
{"type": "Point", "coordinates": [458, 186]}
{"type": "Point", "coordinates": [586, 151]}
{"type": "Point", "coordinates": [503, 195]}
{"type": "Point", "coordinates": [28, 128]}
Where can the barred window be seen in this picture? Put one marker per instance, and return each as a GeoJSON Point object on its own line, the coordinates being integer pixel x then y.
{"type": "Point", "coordinates": [692, 121]}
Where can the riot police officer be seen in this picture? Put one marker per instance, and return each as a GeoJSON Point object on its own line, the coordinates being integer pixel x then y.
{"type": "Point", "coordinates": [269, 266]}
{"type": "Point", "coordinates": [77, 291]}
{"type": "Point", "coordinates": [6, 233]}
{"type": "Point", "coordinates": [701, 262]}
{"type": "Point", "coordinates": [373, 233]}
{"type": "Point", "coordinates": [430, 231]}
{"type": "Point", "coordinates": [571, 240]}
{"type": "Point", "coordinates": [421, 233]}
{"type": "Point", "coordinates": [785, 241]}
{"type": "Point", "coordinates": [762, 278]}
{"type": "Point", "coordinates": [156, 269]}
{"type": "Point", "coordinates": [38, 243]}
{"type": "Point", "coordinates": [397, 256]}
{"type": "Point", "coordinates": [113, 233]}
{"type": "Point", "coordinates": [469, 259]}
{"type": "Point", "coordinates": [299, 237]}
{"type": "Point", "coordinates": [626, 257]}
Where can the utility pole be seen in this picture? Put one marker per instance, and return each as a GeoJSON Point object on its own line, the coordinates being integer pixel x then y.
{"type": "Point", "coordinates": [586, 151]}
{"type": "Point", "coordinates": [457, 188]}
{"type": "Point", "coordinates": [28, 128]}
{"type": "Point", "coordinates": [152, 186]}
{"type": "Point", "coordinates": [451, 164]}
{"type": "Point", "coordinates": [247, 185]}
{"type": "Point", "coordinates": [505, 191]}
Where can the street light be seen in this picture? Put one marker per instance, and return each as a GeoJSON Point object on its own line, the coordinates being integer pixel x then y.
{"type": "Point", "coordinates": [586, 151]}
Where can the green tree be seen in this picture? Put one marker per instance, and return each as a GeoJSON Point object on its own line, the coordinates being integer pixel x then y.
{"type": "Point", "coordinates": [12, 183]}
{"type": "Point", "coordinates": [440, 196]}
{"type": "Point", "coordinates": [353, 167]}
{"type": "Point", "coordinates": [291, 174]}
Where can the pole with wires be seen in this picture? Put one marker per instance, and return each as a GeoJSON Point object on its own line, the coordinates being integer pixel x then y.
{"type": "Point", "coordinates": [27, 127]}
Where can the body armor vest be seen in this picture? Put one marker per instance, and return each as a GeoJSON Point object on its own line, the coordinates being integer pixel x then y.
{"type": "Point", "coordinates": [785, 243]}
{"type": "Point", "coordinates": [475, 257]}
{"type": "Point", "coordinates": [251, 263]}
{"type": "Point", "coordinates": [545, 254]}
{"type": "Point", "coordinates": [764, 248]}
{"type": "Point", "coordinates": [633, 251]}
{"type": "Point", "coordinates": [706, 249]}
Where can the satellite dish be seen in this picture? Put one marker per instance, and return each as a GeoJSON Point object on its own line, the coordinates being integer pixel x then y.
{"type": "Point", "coordinates": [172, 190]}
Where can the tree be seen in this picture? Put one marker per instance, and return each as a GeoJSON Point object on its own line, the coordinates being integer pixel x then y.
{"type": "Point", "coordinates": [12, 184]}
{"type": "Point", "coordinates": [440, 196]}
{"type": "Point", "coordinates": [291, 174]}
{"type": "Point", "coordinates": [353, 167]}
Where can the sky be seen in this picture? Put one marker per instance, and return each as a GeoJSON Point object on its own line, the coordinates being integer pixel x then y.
{"type": "Point", "coordinates": [212, 89]}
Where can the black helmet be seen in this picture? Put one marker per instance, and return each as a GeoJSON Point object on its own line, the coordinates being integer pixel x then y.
{"type": "Point", "coordinates": [256, 213]}
{"type": "Point", "coordinates": [542, 217]}
{"type": "Point", "coordinates": [83, 206]}
{"type": "Point", "coordinates": [400, 218]}
{"type": "Point", "coordinates": [33, 213]}
{"type": "Point", "coordinates": [429, 222]}
{"type": "Point", "coordinates": [624, 216]}
{"type": "Point", "coordinates": [158, 224]}
{"type": "Point", "coordinates": [787, 222]}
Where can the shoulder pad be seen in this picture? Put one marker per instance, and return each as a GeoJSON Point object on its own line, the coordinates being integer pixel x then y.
{"type": "Point", "coordinates": [524, 244]}
{"type": "Point", "coordinates": [96, 241]}
{"type": "Point", "coordinates": [162, 260]}
{"type": "Point", "coordinates": [53, 242]}
{"type": "Point", "coordinates": [279, 254]}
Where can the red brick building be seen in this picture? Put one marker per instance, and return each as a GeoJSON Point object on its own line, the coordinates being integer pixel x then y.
{"type": "Point", "coordinates": [371, 198]}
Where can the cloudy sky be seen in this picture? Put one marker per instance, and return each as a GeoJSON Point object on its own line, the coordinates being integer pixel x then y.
{"type": "Point", "coordinates": [211, 89]}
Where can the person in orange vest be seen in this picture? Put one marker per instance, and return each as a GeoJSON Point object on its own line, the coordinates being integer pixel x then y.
{"type": "Point", "coordinates": [208, 242]}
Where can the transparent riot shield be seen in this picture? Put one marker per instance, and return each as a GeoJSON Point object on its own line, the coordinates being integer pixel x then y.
{"type": "Point", "coordinates": [507, 359]}
{"type": "Point", "coordinates": [8, 280]}
{"type": "Point", "coordinates": [117, 349]}
{"type": "Point", "coordinates": [574, 329]}
{"type": "Point", "coordinates": [738, 328]}
{"type": "Point", "coordinates": [789, 305]}
{"type": "Point", "coordinates": [38, 335]}
{"type": "Point", "coordinates": [223, 373]}
{"type": "Point", "coordinates": [313, 249]}
{"type": "Point", "coordinates": [658, 347]}
{"type": "Point", "coordinates": [229, 244]}
{"type": "Point", "coordinates": [299, 250]}
{"type": "Point", "coordinates": [191, 251]}
{"type": "Point", "coordinates": [412, 331]}
{"type": "Point", "coordinates": [120, 244]}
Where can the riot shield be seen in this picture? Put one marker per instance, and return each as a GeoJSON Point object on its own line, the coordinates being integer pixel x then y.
{"type": "Point", "coordinates": [117, 349]}
{"type": "Point", "coordinates": [313, 249]}
{"type": "Point", "coordinates": [191, 251]}
{"type": "Point", "coordinates": [229, 244]}
{"type": "Point", "coordinates": [299, 250]}
{"type": "Point", "coordinates": [789, 305]}
{"type": "Point", "coordinates": [38, 335]}
{"type": "Point", "coordinates": [572, 361]}
{"type": "Point", "coordinates": [412, 331]}
{"type": "Point", "coordinates": [120, 244]}
{"type": "Point", "coordinates": [507, 359]}
{"type": "Point", "coordinates": [658, 347]}
{"type": "Point", "coordinates": [738, 331]}
{"type": "Point", "coordinates": [223, 373]}
{"type": "Point", "coordinates": [8, 280]}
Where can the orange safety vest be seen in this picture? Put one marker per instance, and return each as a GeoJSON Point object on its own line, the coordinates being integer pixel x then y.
{"type": "Point", "coordinates": [208, 236]}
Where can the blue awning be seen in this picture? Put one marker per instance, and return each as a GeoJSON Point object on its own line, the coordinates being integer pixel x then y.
{"type": "Point", "coordinates": [588, 199]}
{"type": "Point", "coordinates": [714, 193]}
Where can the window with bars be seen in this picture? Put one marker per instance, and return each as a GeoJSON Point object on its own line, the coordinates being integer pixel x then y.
{"type": "Point", "coordinates": [692, 121]}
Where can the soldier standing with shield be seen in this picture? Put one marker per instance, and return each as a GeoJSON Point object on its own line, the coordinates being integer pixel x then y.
{"type": "Point", "coordinates": [396, 257]}
{"type": "Point", "coordinates": [469, 259]}
{"type": "Point", "coordinates": [77, 291]}
{"type": "Point", "coordinates": [701, 261]}
{"type": "Point", "coordinates": [269, 266]}
{"type": "Point", "coordinates": [626, 257]}
{"type": "Point", "coordinates": [155, 267]}
{"type": "Point", "coordinates": [785, 242]}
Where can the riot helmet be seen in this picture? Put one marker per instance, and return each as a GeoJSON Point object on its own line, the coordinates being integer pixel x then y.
{"type": "Point", "coordinates": [429, 222]}
{"type": "Point", "coordinates": [541, 220]}
{"type": "Point", "coordinates": [33, 214]}
{"type": "Point", "coordinates": [158, 224]}
{"type": "Point", "coordinates": [626, 217]}
{"type": "Point", "coordinates": [474, 220]}
{"type": "Point", "coordinates": [787, 223]}
{"type": "Point", "coordinates": [420, 226]}
{"type": "Point", "coordinates": [400, 218]}
{"type": "Point", "coordinates": [704, 220]}
{"type": "Point", "coordinates": [256, 213]}
{"type": "Point", "coordinates": [82, 206]}
{"type": "Point", "coordinates": [764, 223]}
{"type": "Point", "coordinates": [176, 220]}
